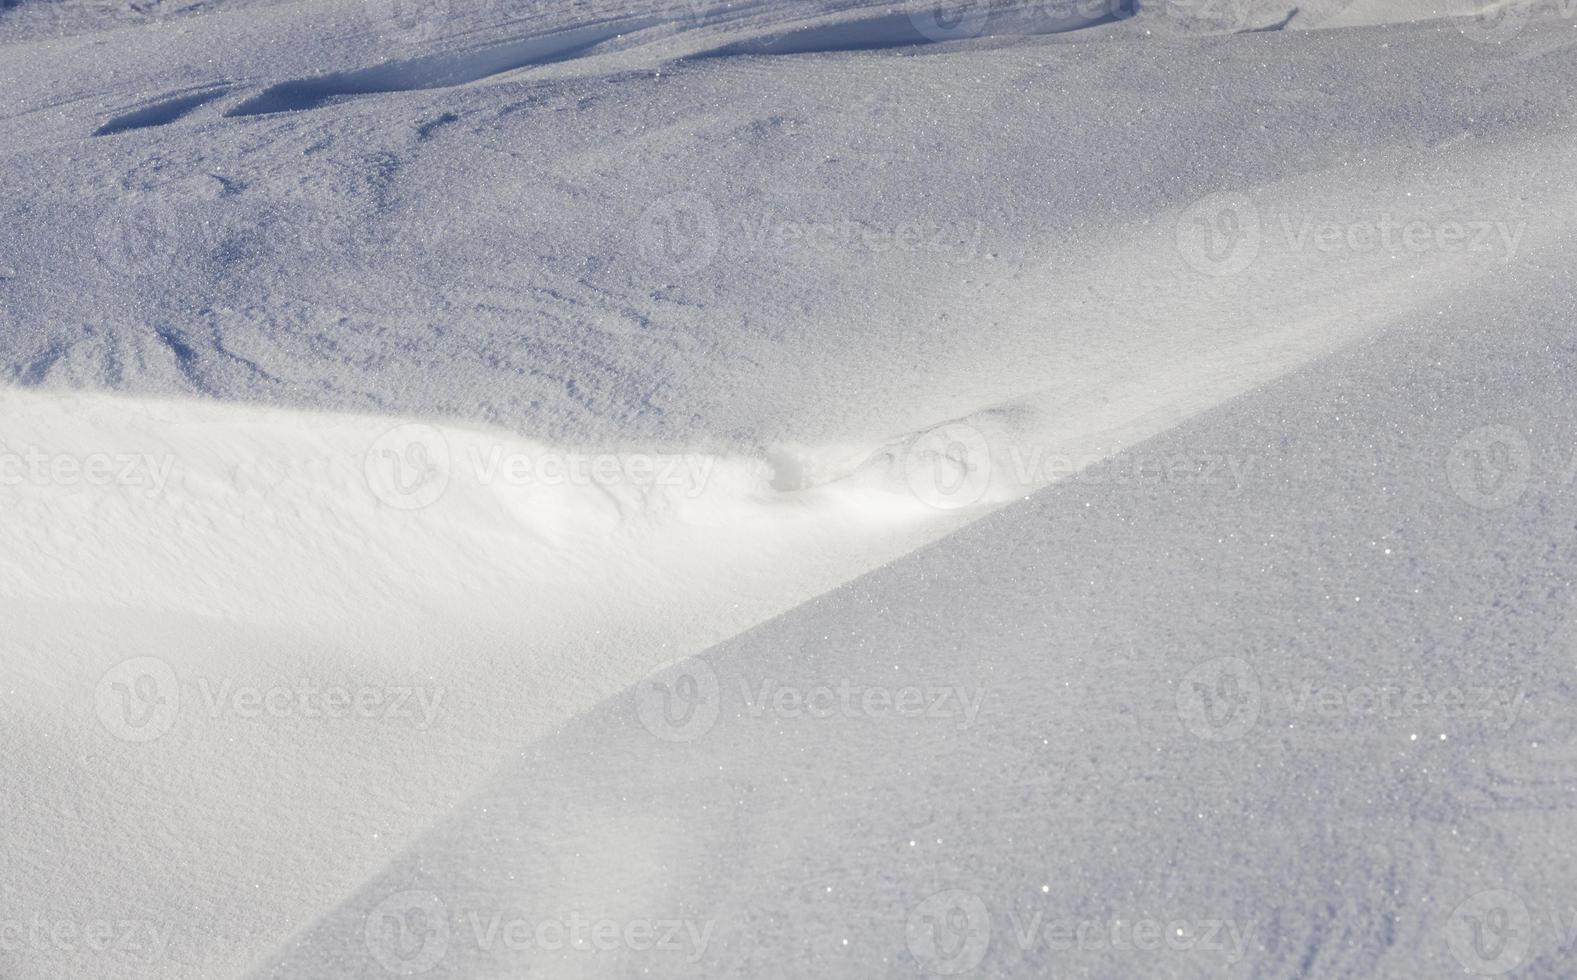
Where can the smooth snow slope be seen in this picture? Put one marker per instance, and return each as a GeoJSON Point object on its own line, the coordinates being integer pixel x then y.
{"type": "Point", "coordinates": [1319, 724]}
{"type": "Point", "coordinates": [184, 584]}
{"type": "Point", "coordinates": [871, 291]}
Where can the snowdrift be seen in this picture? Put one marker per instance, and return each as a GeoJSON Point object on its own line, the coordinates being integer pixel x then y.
{"type": "Point", "coordinates": [1051, 426]}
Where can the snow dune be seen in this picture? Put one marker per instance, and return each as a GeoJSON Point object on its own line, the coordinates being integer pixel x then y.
{"type": "Point", "coordinates": [392, 393]}
{"type": "Point", "coordinates": [1227, 717]}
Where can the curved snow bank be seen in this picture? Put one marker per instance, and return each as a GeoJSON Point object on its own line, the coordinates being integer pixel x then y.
{"type": "Point", "coordinates": [1334, 711]}
{"type": "Point", "coordinates": [353, 517]}
{"type": "Point", "coordinates": [220, 613]}
{"type": "Point", "coordinates": [217, 614]}
{"type": "Point", "coordinates": [229, 513]}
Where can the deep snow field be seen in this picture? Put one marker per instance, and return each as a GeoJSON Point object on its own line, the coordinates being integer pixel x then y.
{"type": "Point", "coordinates": [788, 488]}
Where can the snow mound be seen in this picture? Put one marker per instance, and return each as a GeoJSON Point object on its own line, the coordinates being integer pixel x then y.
{"type": "Point", "coordinates": [1150, 727]}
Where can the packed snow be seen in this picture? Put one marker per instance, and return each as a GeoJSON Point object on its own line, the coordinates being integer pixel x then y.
{"type": "Point", "coordinates": [500, 488]}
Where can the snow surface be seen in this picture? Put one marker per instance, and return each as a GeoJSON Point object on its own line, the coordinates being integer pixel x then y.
{"type": "Point", "coordinates": [497, 488]}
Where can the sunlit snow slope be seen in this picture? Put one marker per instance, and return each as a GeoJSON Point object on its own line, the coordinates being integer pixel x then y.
{"type": "Point", "coordinates": [1318, 722]}
{"type": "Point", "coordinates": [391, 385]}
